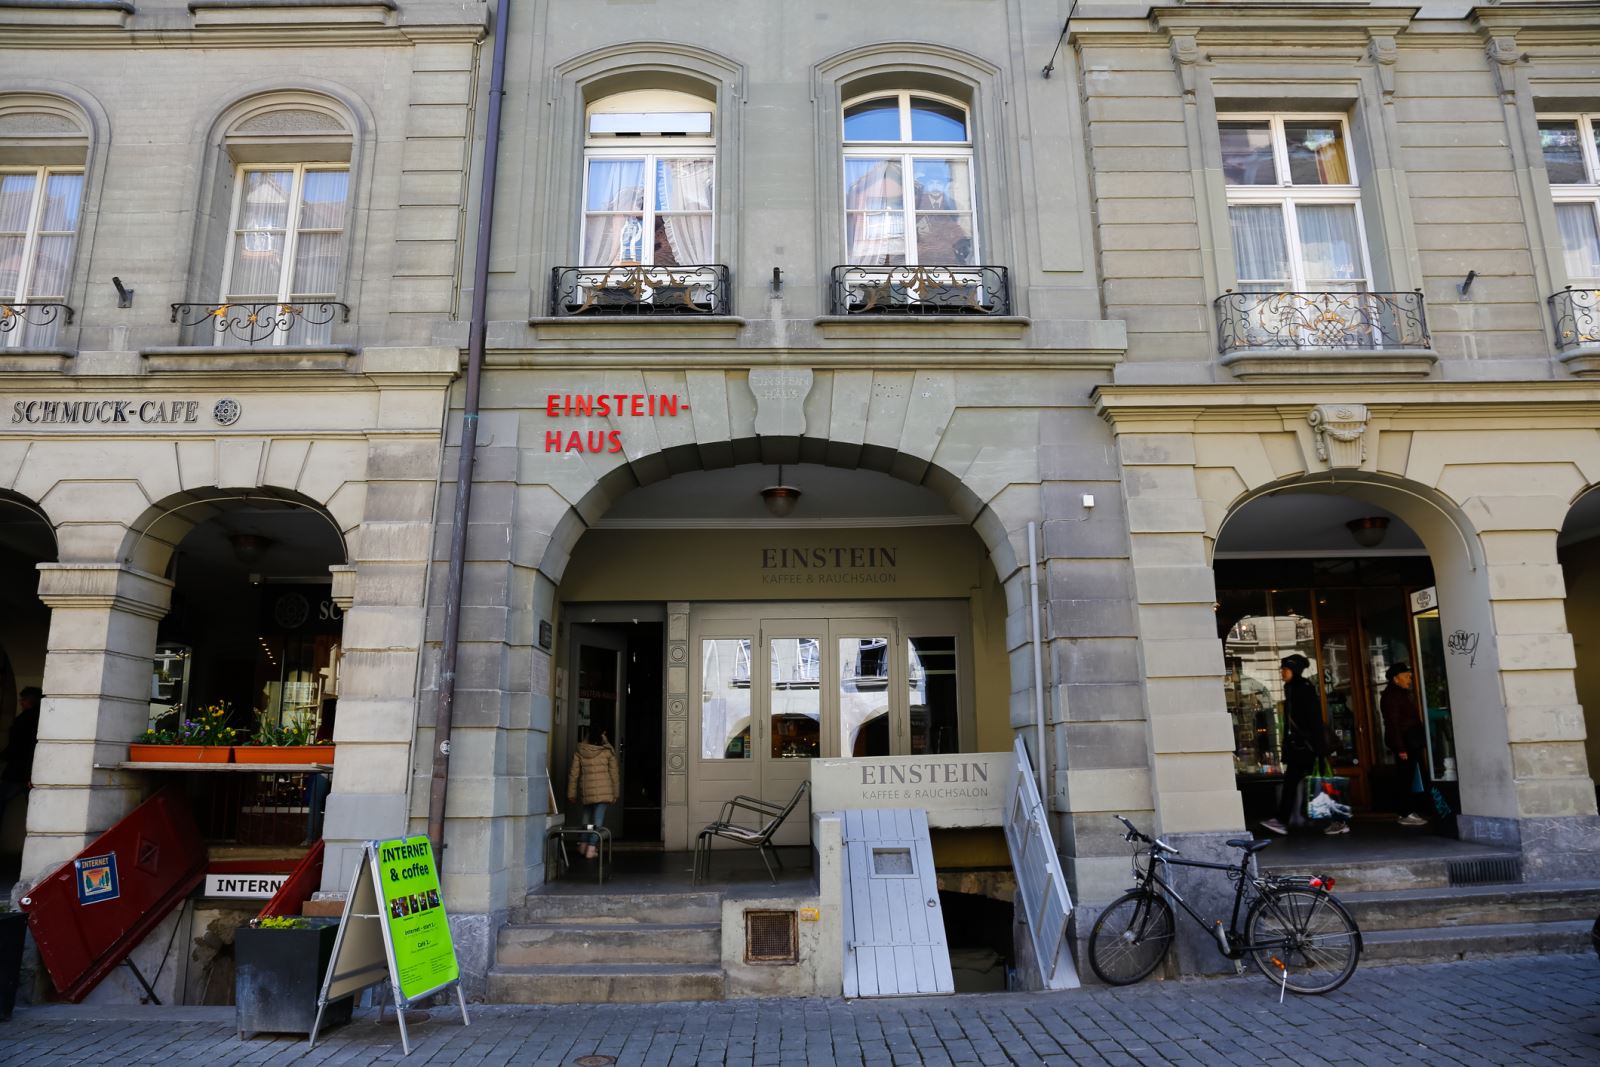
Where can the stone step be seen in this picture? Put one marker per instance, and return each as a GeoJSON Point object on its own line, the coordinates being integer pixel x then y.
{"type": "Point", "coordinates": [1472, 905]}
{"type": "Point", "coordinates": [1359, 876]}
{"type": "Point", "coordinates": [602, 907]}
{"type": "Point", "coordinates": [696, 944]}
{"type": "Point", "coordinates": [1440, 943]}
{"type": "Point", "coordinates": [636, 983]}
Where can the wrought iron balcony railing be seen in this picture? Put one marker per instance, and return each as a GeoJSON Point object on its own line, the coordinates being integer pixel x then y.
{"type": "Point", "coordinates": [1577, 317]}
{"type": "Point", "coordinates": [32, 325]}
{"type": "Point", "coordinates": [1298, 321]}
{"type": "Point", "coordinates": [924, 289]}
{"type": "Point", "coordinates": [301, 322]}
{"type": "Point", "coordinates": [638, 290]}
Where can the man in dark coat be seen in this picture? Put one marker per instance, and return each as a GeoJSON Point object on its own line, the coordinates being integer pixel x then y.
{"type": "Point", "coordinates": [20, 743]}
{"type": "Point", "coordinates": [1402, 733]}
{"type": "Point", "coordinates": [1304, 740]}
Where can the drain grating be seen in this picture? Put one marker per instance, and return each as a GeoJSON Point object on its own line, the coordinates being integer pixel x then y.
{"type": "Point", "coordinates": [1498, 870]}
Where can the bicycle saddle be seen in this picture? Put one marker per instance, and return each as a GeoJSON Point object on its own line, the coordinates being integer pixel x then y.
{"type": "Point", "coordinates": [1247, 844]}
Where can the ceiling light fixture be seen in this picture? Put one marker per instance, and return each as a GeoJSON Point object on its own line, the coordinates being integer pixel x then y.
{"type": "Point", "coordinates": [1368, 532]}
{"type": "Point", "coordinates": [248, 547]}
{"type": "Point", "coordinates": [780, 499]}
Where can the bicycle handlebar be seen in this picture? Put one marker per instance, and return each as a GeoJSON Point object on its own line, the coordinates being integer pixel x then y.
{"type": "Point", "coordinates": [1133, 834]}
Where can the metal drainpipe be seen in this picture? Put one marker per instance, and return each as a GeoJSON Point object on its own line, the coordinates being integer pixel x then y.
{"type": "Point", "coordinates": [1038, 660]}
{"type": "Point", "coordinates": [477, 329]}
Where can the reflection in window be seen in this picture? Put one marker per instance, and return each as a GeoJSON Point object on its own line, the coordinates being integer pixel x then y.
{"type": "Point", "coordinates": [288, 243]}
{"type": "Point", "coordinates": [864, 696]}
{"type": "Point", "coordinates": [38, 227]}
{"type": "Point", "coordinates": [796, 697]}
{"type": "Point", "coordinates": [725, 698]}
{"type": "Point", "coordinates": [888, 140]}
{"type": "Point", "coordinates": [933, 684]}
{"type": "Point", "coordinates": [1259, 628]}
{"type": "Point", "coordinates": [649, 181]}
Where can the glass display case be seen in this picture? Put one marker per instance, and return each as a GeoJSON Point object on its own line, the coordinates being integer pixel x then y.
{"type": "Point", "coordinates": [1433, 692]}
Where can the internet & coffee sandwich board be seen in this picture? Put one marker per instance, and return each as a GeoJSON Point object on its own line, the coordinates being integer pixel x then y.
{"type": "Point", "coordinates": [394, 931]}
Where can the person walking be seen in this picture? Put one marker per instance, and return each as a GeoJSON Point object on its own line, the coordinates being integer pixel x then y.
{"type": "Point", "coordinates": [1304, 742]}
{"type": "Point", "coordinates": [1402, 733]}
{"type": "Point", "coordinates": [595, 779]}
{"type": "Point", "coordinates": [16, 776]}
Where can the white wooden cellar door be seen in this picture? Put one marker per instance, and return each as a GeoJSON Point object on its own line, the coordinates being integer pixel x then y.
{"type": "Point", "coordinates": [894, 940]}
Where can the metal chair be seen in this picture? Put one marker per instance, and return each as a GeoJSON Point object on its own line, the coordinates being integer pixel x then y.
{"type": "Point", "coordinates": [758, 837]}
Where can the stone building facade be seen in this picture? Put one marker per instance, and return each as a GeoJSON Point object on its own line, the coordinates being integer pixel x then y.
{"type": "Point", "coordinates": [946, 294]}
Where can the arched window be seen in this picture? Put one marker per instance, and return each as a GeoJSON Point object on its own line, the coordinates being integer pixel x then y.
{"type": "Point", "coordinates": [282, 264]}
{"type": "Point", "coordinates": [649, 180]}
{"type": "Point", "coordinates": [42, 154]}
{"type": "Point", "coordinates": [908, 181]}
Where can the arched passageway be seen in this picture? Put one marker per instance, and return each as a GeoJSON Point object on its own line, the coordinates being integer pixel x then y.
{"type": "Point", "coordinates": [1578, 547]}
{"type": "Point", "coordinates": [26, 540]}
{"type": "Point", "coordinates": [1370, 581]}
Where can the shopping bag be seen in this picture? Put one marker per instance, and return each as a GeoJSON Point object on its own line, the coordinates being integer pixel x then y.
{"type": "Point", "coordinates": [1327, 794]}
{"type": "Point", "coordinates": [1416, 778]}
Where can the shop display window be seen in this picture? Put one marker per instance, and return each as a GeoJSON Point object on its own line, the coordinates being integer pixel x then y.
{"type": "Point", "coordinates": [1259, 627]}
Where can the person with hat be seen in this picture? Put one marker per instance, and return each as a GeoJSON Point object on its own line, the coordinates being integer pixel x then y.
{"type": "Point", "coordinates": [1402, 733]}
{"type": "Point", "coordinates": [1304, 741]}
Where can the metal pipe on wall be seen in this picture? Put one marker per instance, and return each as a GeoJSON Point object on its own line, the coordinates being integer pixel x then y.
{"type": "Point", "coordinates": [449, 649]}
{"type": "Point", "coordinates": [1038, 660]}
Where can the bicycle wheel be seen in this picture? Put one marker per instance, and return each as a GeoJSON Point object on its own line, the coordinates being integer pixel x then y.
{"type": "Point", "coordinates": [1131, 937]}
{"type": "Point", "coordinates": [1302, 938]}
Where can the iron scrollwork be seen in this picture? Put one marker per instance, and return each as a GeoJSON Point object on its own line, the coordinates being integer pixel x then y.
{"type": "Point", "coordinates": [922, 289]}
{"type": "Point", "coordinates": [38, 322]}
{"type": "Point", "coordinates": [1577, 317]}
{"type": "Point", "coordinates": [633, 289]}
{"type": "Point", "coordinates": [253, 324]}
{"type": "Point", "coordinates": [1320, 321]}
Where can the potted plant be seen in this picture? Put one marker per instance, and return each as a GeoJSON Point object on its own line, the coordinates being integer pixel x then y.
{"type": "Point", "coordinates": [279, 964]}
{"type": "Point", "coordinates": [13, 932]}
{"type": "Point", "coordinates": [206, 738]}
{"type": "Point", "coordinates": [293, 741]}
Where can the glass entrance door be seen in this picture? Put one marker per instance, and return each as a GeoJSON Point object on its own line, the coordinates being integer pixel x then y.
{"type": "Point", "coordinates": [774, 691]}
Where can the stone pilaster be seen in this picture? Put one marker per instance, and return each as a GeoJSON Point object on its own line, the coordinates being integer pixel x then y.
{"type": "Point", "coordinates": [97, 699]}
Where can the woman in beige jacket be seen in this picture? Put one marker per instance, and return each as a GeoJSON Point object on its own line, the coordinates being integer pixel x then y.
{"type": "Point", "coordinates": [594, 779]}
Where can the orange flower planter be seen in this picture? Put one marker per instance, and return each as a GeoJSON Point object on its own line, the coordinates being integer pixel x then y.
{"type": "Point", "coordinates": [138, 753]}
{"type": "Point", "coordinates": [283, 753]}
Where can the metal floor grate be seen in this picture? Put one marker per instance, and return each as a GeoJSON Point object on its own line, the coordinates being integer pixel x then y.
{"type": "Point", "coordinates": [1496, 870]}
{"type": "Point", "coordinates": [771, 937]}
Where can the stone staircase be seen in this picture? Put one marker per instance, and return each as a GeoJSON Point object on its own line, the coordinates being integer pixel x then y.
{"type": "Point", "coordinates": [577, 948]}
{"type": "Point", "coordinates": [1437, 908]}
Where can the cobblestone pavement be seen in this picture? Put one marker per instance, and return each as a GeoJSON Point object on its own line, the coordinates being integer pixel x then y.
{"type": "Point", "coordinates": [1519, 1011]}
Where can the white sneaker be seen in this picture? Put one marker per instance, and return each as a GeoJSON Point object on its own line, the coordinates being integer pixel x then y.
{"type": "Point", "coordinates": [1337, 828]}
{"type": "Point", "coordinates": [1412, 820]}
{"type": "Point", "coordinates": [1275, 826]}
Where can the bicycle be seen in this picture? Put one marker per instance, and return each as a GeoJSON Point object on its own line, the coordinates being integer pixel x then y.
{"type": "Point", "coordinates": [1295, 931]}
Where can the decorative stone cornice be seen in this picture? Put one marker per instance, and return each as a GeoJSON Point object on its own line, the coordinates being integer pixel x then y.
{"type": "Point", "coordinates": [111, 586]}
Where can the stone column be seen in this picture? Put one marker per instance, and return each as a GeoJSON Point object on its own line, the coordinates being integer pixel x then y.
{"type": "Point", "coordinates": [97, 699]}
{"type": "Point", "coordinates": [1552, 794]}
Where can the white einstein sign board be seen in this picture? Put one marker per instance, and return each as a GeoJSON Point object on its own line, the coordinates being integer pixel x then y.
{"type": "Point", "coordinates": [956, 789]}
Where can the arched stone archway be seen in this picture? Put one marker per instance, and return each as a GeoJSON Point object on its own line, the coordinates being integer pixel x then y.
{"type": "Point", "coordinates": [1487, 496]}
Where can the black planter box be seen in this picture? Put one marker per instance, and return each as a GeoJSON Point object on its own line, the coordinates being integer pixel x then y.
{"type": "Point", "coordinates": [278, 977]}
{"type": "Point", "coordinates": [13, 932]}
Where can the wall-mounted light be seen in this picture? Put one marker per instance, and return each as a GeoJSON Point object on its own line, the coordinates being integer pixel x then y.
{"type": "Point", "coordinates": [780, 499]}
{"type": "Point", "coordinates": [1368, 532]}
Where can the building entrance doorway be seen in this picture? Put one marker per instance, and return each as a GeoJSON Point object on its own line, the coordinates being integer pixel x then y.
{"type": "Point", "coordinates": [614, 672]}
{"type": "Point", "coordinates": [777, 685]}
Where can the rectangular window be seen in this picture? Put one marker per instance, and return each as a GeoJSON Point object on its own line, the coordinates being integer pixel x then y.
{"type": "Point", "coordinates": [38, 228]}
{"type": "Point", "coordinates": [648, 209]}
{"type": "Point", "coordinates": [286, 247]}
{"type": "Point", "coordinates": [1571, 147]}
{"type": "Point", "coordinates": [1293, 204]}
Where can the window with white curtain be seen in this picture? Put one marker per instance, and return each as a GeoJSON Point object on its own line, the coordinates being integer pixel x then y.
{"type": "Point", "coordinates": [649, 181]}
{"type": "Point", "coordinates": [286, 244]}
{"type": "Point", "coordinates": [908, 186]}
{"type": "Point", "coordinates": [1571, 146]}
{"type": "Point", "coordinates": [39, 210]}
{"type": "Point", "coordinates": [1293, 204]}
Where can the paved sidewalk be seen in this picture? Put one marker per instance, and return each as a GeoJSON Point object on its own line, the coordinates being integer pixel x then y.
{"type": "Point", "coordinates": [1521, 1011]}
